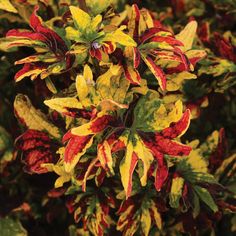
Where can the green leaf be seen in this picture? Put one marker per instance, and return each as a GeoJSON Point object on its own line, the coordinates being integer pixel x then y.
{"type": "Point", "coordinates": [5, 139]}
{"type": "Point", "coordinates": [10, 227]}
{"type": "Point", "coordinates": [144, 111]}
{"type": "Point", "coordinates": [196, 205]}
{"type": "Point", "coordinates": [206, 197]}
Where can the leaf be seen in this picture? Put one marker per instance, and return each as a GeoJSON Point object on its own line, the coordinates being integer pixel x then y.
{"type": "Point", "coordinates": [6, 149]}
{"type": "Point", "coordinates": [176, 191]}
{"type": "Point", "coordinates": [63, 105]}
{"type": "Point", "coordinates": [10, 227]}
{"type": "Point", "coordinates": [98, 6]}
{"type": "Point", "coordinates": [196, 207]}
{"type": "Point", "coordinates": [134, 20]}
{"type": "Point", "coordinates": [219, 67]}
{"type": "Point", "coordinates": [206, 197]}
{"type": "Point", "coordinates": [7, 6]}
{"type": "Point", "coordinates": [167, 39]}
{"type": "Point", "coordinates": [83, 82]}
{"type": "Point", "coordinates": [98, 124]}
{"type": "Point", "coordinates": [156, 215]}
{"type": "Point", "coordinates": [50, 85]}
{"type": "Point", "coordinates": [105, 156]}
{"type": "Point", "coordinates": [75, 148]}
{"type": "Point", "coordinates": [156, 70]}
{"type": "Point", "coordinates": [145, 221]}
{"type": "Point", "coordinates": [186, 36]}
{"type": "Point", "coordinates": [118, 36]}
{"type": "Point", "coordinates": [33, 118]}
{"type": "Point", "coordinates": [194, 168]}
{"type": "Point", "coordinates": [176, 81]}
{"type": "Point", "coordinates": [40, 33]}
{"type": "Point", "coordinates": [59, 170]}
{"type": "Point", "coordinates": [29, 70]}
{"type": "Point", "coordinates": [81, 19]}
{"type": "Point", "coordinates": [127, 167]}
{"type": "Point", "coordinates": [145, 156]}
{"type": "Point", "coordinates": [135, 150]}
{"type": "Point", "coordinates": [37, 149]}
{"type": "Point", "coordinates": [145, 111]}
{"type": "Point", "coordinates": [5, 139]}
{"type": "Point", "coordinates": [178, 128]}
{"type": "Point", "coordinates": [151, 115]}
{"type": "Point", "coordinates": [132, 75]}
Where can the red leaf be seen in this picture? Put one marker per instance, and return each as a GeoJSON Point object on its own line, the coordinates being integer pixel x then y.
{"type": "Point", "coordinates": [161, 173]}
{"type": "Point", "coordinates": [134, 22]}
{"type": "Point", "coordinates": [41, 33]}
{"type": "Point", "coordinates": [54, 40]}
{"type": "Point", "coordinates": [183, 57]}
{"type": "Point", "coordinates": [100, 123]}
{"type": "Point", "coordinates": [37, 149]}
{"type": "Point", "coordinates": [178, 128]}
{"type": "Point", "coordinates": [31, 70]}
{"type": "Point", "coordinates": [170, 40]}
{"type": "Point", "coordinates": [75, 145]}
{"type": "Point", "coordinates": [218, 155]}
{"type": "Point", "coordinates": [26, 34]}
{"type": "Point", "coordinates": [95, 52]}
{"type": "Point", "coordinates": [203, 32]}
{"type": "Point", "coordinates": [137, 57]}
{"type": "Point", "coordinates": [132, 74]}
{"type": "Point", "coordinates": [157, 71]}
{"type": "Point", "coordinates": [225, 47]}
{"type": "Point", "coordinates": [149, 33]}
{"type": "Point", "coordinates": [169, 147]}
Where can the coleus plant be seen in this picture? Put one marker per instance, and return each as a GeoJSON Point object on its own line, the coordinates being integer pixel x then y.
{"type": "Point", "coordinates": [113, 135]}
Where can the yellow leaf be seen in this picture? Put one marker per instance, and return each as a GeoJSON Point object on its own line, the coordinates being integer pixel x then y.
{"type": "Point", "coordinates": [127, 167]}
{"type": "Point", "coordinates": [59, 170]}
{"type": "Point", "coordinates": [61, 104]}
{"type": "Point", "coordinates": [104, 85]}
{"type": "Point", "coordinates": [147, 18]}
{"type": "Point", "coordinates": [110, 105]}
{"type": "Point", "coordinates": [186, 36]}
{"type": "Point", "coordinates": [164, 116]}
{"type": "Point", "coordinates": [81, 87]}
{"type": "Point", "coordinates": [33, 74]}
{"type": "Point", "coordinates": [157, 215]}
{"type": "Point", "coordinates": [105, 157]}
{"type": "Point", "coordinates": [122, 218]}
{"type": "Point", "coordinates": [33, 118]}
{"type": "Point", "coordinates": [85, 129]}
{"type": "Point", "coordinates": [50, 85]}
{"type": "Point", "coordinates": [120, 37]}
{"type": "Point", "coordinates": [176, 81]}
{"type": "Point", "coordinates": [176, 191]}
{"type": "Point", "coordinates": [78, 49]}
{"type": "Point", "coordinates": [196, 162]}
{"type": "Point", "coordinates": [98, 6]}
{"type": "Point", "coordinates": [73, 34]}
{"type": "Point", "coordinates": [95, 22]}
{"type": "Point", "coordinates": [196, 54]}
{"type": "Point", "coordinates": [145, 156]}
{"type": "Point", "coordinates": [146, 221]}
{"type": "Point", "coordinates": [81, 19]}
{"type": "Point", "coordinates": [7, 6]}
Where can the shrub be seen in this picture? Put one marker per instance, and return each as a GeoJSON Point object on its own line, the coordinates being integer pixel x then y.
{"type": "Point", "coordinates": [117, 118]}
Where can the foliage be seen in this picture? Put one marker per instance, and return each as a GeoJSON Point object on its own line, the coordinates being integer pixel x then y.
{"type": "Point", "coordinates": [117, 118]}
